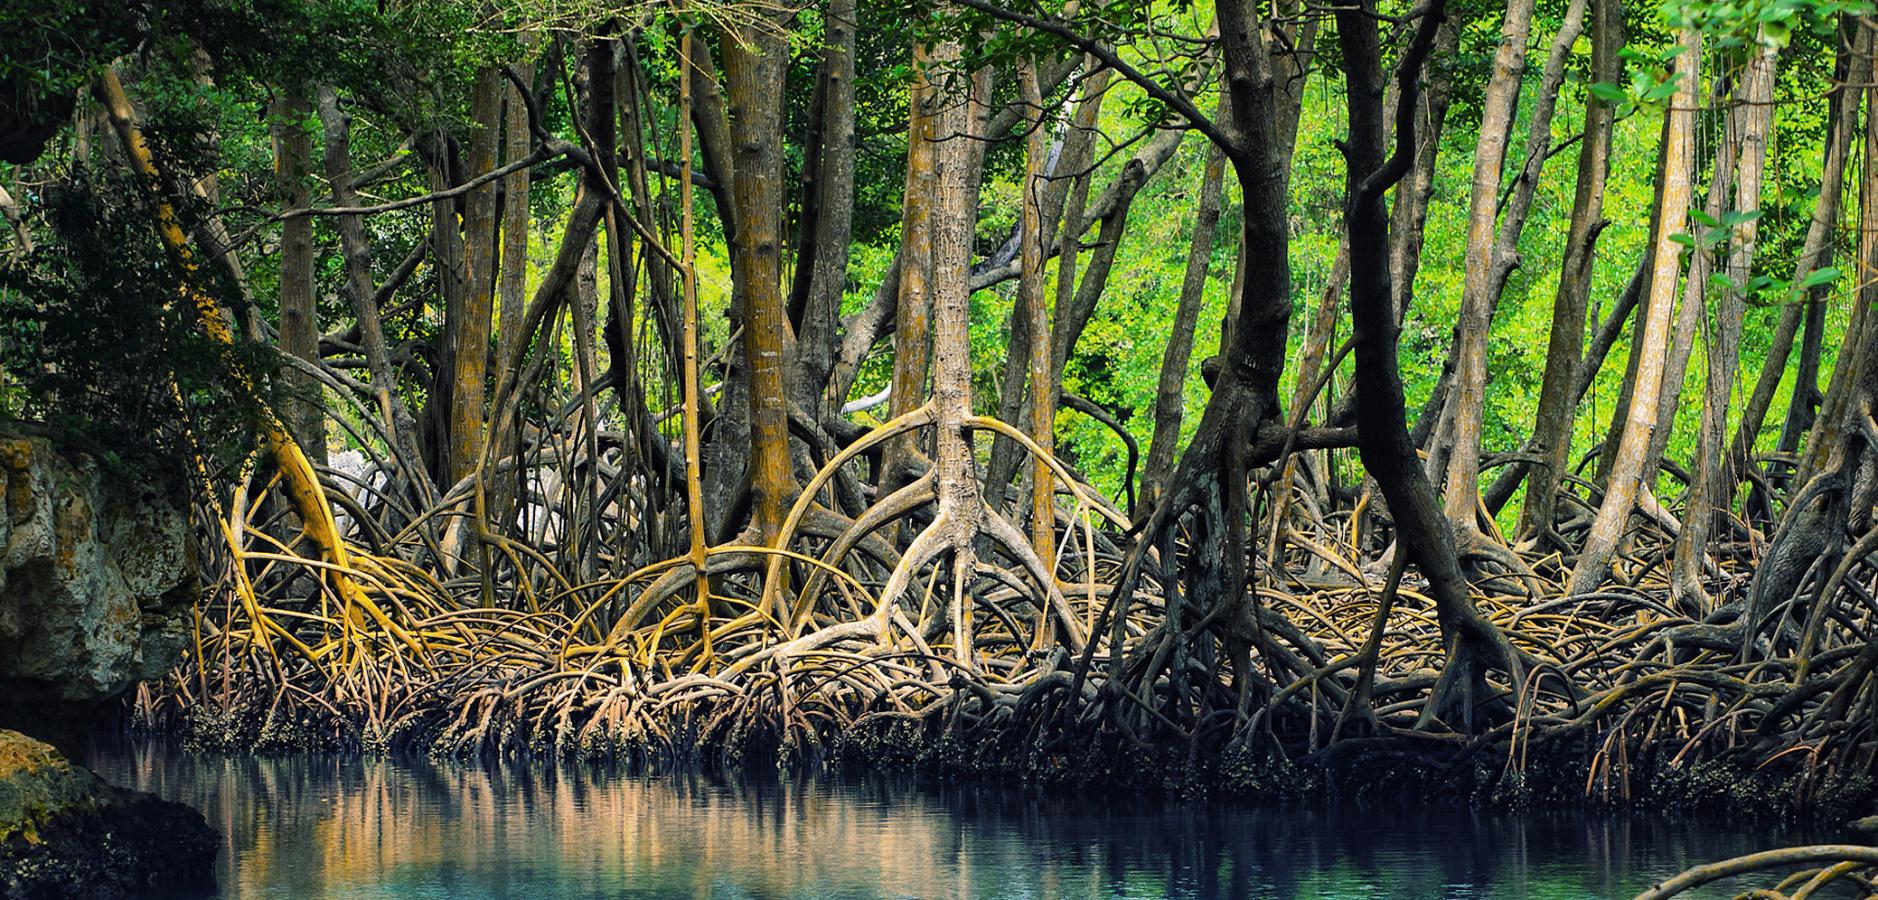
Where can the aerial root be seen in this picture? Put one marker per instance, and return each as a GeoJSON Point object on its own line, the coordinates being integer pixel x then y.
{"type": "Point", "coordinates": [838, 633]}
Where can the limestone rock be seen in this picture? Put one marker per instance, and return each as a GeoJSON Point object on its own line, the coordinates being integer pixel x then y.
{"type": "Point", "coordinates": [97, 575]}
{"type": "Point", "coordinates": [66, 833]}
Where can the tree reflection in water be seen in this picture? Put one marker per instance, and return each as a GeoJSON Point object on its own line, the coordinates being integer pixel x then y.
{"type": "Point", "coordinates": [346, 826]}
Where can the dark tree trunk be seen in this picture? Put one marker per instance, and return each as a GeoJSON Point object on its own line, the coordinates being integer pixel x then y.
{"type": "Point", "coordinates": [1383, 438]}
{"type": "Point", "coordinates": [1170, 393]}
{"type": "Point", "coordinates": [822, 265]}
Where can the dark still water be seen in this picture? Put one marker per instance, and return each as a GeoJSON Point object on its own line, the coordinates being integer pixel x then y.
{"type": "Point", "coordinates": [318, 826]}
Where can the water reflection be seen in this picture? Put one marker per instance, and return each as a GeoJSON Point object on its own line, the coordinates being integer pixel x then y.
{"type": "Point", "coordinates": [347, 827]}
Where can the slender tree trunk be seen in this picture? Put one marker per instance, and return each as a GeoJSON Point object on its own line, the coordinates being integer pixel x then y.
{"type": "Point", "coordinates": [1690, 313]}
{"type": "Point", "coordinates": [1442, 422]}
{"type": "Point", "coordinates": [1620, 410]}
{"type": "Point", "coordinates": [710, 115]}
{"type": "Point", "coordinates": [1815, 254]}
{"type": "Point", "coordinates": [1650, 347]}
{"type": "Point", "coordinates": [299, 316]}
{"type": "Point", "coordinates": [727, 451]}
{"type": "Point", "coordinates": [1065, 192]}
{"type": "Point", "coordinates": [1030, 295]}
{"type": "Point", "coordinates": [1552, 427]}
{"type": "Point", "coordinates": [1469, 396]}
{"type": "Point", "coordinates": [661, 280]}
{"type": "Point", "coordinates": [694, 409]}
{"type": "Point", "coordinates": [513, 267]}
{"type": "Point", "coordinates": [512, 279]}
{"type": "Point", "coordinates": [1711, 468]}
{"type": "Point", "coordinates": [1408, 216]}
{"type": "Point", "coordinates": [356, 252]}
{"type": "Point", "coordinates": [912, 335]}
{"type": "Point", "coordinates": [1383, 438]}
{"type": "Point", "coordinates": [827, 248]}
{"type": "Point", "coordinates": [1517, 202]}
{"type": "Point", "coordinates": [1170, 393]}
{"type": "Point", "coordinates": [1802, 409]}
{"type": "Point", "coordinates": [1068, 182]}
{"type": "Point", "coordinates": [1074, 310]}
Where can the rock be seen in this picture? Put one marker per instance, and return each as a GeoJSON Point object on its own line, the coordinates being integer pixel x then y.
{"type": "Point", "coordinates": [64, 832]}
{"type": "Point", "coordinates": [1867, 825]}
{"type": "Point", "coordinates": [97, 576]}
{"type": "Point", "coordinates": [36, 783]}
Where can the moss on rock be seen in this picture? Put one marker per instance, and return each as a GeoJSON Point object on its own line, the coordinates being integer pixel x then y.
{"type": "Point", "coordinates": [64, 832]}
{"type": "Point", "coordinates": [37, 785]}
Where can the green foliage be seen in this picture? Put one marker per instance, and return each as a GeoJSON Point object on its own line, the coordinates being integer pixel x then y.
{"type": "Point", "coordinates": [103, 345]}
{"type": "Point", "coordinates": [1730, 24]}
{"type": "Point", "coordinates": [408, 67]}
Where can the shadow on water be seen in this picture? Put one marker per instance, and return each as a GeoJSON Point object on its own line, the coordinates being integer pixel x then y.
{"type": "Point", "coordinates": [310, 826]}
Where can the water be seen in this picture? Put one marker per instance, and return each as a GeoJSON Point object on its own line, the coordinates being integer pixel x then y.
{"type": "Point", "coordinates": [320, 826]}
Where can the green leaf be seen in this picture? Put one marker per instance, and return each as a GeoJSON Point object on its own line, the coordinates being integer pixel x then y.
{"type": "Point", "coordinates": [1608, 92]}
{"type": "Point", "coordinates": [1818, 277]}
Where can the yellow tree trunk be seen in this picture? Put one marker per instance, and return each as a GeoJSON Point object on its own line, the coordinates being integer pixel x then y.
{"type": "Point", "coordinates": [296, 471]}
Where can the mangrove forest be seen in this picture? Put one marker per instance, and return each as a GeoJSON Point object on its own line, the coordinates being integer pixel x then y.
{"type": "Point", "coordinates": [1469, 401]}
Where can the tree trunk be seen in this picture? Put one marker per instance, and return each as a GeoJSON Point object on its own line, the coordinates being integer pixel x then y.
{"type": "Point", "coordinates": [912, 334]}
{"type": "Point", "coordinates": [1408, 216]}
{"type": "Point", "coordinates": [468, 383]}
{"type": "Point", "coordinates": [755, 59]}
{"type": "Point", "coordinates": [1651, 343]}
{"type": "Point", "coordinates": [827, 245]}
{"type": "Point", "coordinates": [1170, 400]}
{"type": "Point", "coordinates": [1517, 201]}
{"type": "Point", "coordinates": [1830, 501]}
{"type": "Point", "coordinates": [1711, 469]}
{"type": "Point", "coordinates": [1476, 317]}
{"type": "Point", "coordinates": [512, 280]}
{"type": "Point", "coordinates": [1815, 254]}
{"type": "Point", "coordinates": [950, 233]}
{"type": "Point", "coordinates": [299, 316]}
{"type": "Point", "coordinates": [1690, 312]}
{"type": "Point", "coordinates": [1552, 426]}
{"type": "Point", "coordinates": [1383, 438]}
{"type": "Point", "coordinates": [1067, 192]}
{"type": "Point", "coordinates": [356, 252]}
{"type": "Point", "coordinates": [1802, 409]}
{"type": "Point", "coordinates": [513, 268]}
{"type": "Point", "coordinates": [1042, 424]}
